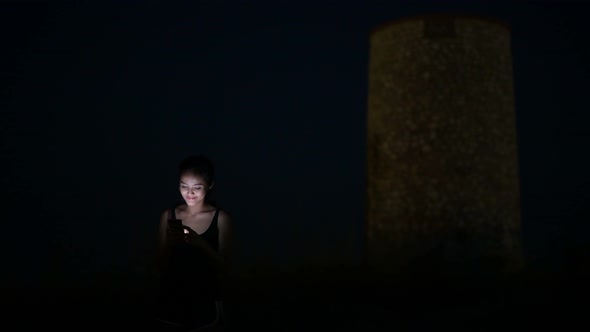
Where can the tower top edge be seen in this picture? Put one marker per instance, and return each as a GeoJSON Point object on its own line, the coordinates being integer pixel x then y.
{"type": "Point", "coordinates": [441, 15]}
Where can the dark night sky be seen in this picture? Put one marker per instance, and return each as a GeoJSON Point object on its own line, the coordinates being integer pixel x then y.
{"type": "Point", "coordinates": [99, 103]}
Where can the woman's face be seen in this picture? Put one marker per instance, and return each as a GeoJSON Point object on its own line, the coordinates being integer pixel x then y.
{"type": "Point", "coordinates": [193, 189]}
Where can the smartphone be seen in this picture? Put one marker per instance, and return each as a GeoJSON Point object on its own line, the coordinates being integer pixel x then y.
{"type": "Point", "coordinates": [175, 225]}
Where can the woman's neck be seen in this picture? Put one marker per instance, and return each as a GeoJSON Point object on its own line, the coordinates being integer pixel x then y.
{"type": "Point", "coordinates": [196, 209]}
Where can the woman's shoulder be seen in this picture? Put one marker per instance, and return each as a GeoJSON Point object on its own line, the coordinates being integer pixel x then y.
{"type": "Point", "coordinates": [224, 217]}
{"type": "Point", "coordinates": [224, 214]}
{"type": "Point", "coordinates": [220, 210]}
{"type": "Point", "coordinates": [167, 211]}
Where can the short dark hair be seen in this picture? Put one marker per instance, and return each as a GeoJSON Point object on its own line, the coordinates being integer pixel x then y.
{"type": "Point", "coordinates": [198, 165]}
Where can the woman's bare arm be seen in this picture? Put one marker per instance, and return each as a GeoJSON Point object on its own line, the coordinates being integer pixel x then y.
{"type": "Point", "coordinates": [226, 236]}
{"type": "Point", "coordinates": [161, 240]}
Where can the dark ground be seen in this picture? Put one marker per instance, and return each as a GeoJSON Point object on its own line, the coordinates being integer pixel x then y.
{"type": "Point", "coordinates": [340, 299]}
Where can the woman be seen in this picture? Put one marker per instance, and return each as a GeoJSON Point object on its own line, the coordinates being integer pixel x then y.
{"type": "Point", "coordinates": [194, 248]}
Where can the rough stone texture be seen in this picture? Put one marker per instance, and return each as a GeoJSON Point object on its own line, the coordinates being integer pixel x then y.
{"type": "Point", "coordinates": [442, 155]}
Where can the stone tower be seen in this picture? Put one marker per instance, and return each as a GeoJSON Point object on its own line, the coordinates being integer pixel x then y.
{"type": "Point", "coordinates": [443, 186]}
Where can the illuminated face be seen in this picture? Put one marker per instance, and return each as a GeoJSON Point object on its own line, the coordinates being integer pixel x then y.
{"type": "Point", "coordinates": [193, 189]}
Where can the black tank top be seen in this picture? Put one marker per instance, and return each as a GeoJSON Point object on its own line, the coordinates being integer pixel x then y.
{"type": "Point", "coordinates": [189, 281]}
{"type": "Point", "coordinates": [191, 266]}
{"type": "Point", "coordinates": [211, 235]}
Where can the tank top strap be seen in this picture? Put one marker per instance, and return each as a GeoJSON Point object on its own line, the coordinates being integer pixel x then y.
{"type": "Point", "coordinates": [215, 217]}
{"type": "Point", "coordinates": [172, 213]}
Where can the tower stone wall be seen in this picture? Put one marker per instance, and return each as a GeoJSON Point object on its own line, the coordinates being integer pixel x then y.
{"type": "Point", "coordinates": [443, 186]}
